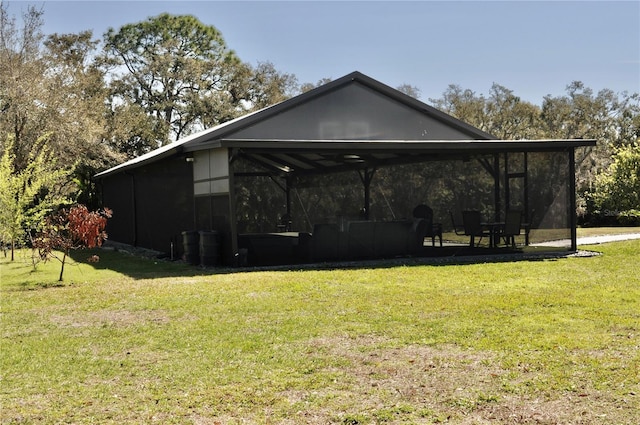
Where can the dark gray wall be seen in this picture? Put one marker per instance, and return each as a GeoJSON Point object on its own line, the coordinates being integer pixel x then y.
{"type": "Point", "coordinates": [151, 205]}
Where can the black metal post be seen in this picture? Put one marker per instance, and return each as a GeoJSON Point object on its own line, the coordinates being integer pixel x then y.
{"type": "Point", "coordinates": [572, 199]}
{"type": "Point", "coordinates": [496, 185]}
{"type": "Point", "coordinates": [507, 187]}
{"type": "Point", "coordinates": [527, 215]}
{"type": "Point", "coordinates": [233, 218]}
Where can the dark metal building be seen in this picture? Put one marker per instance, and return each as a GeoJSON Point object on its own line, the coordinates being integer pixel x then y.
{"type": "Point", "coordinates": [353, 126]}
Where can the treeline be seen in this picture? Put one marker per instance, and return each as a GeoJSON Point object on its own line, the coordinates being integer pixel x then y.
{"type": "Point", "coordinates": [84, 104]}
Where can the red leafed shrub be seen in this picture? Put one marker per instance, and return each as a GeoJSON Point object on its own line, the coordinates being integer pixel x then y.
{"type": "Point", "coordinates": [86, 228]}
{"type": "Point", "coordinates": [72, 228]}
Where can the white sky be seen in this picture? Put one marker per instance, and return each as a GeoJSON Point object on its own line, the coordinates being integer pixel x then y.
{"type": "Point", "coordinates": [534, 48]}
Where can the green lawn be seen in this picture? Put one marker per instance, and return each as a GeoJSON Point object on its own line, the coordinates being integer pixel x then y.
{"type": "Point", "coordinates": [600, 231]}
{"type": "Point", "coordinates": [130, 340]}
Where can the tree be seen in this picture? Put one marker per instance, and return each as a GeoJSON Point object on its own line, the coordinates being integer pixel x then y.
{"type": "Point", "coordinates": [268, 86]}
{"type": "Point", "coordinates": [75, 110]}
{"type": "Point", "coordinates": [178, 70]}
{"type": "Point", "coordinates": [628, 120]}
{"type": "Point", "coordinates": [21, 88]}
{"type": "Point", "coordinates": [464, 105]}
{"type": "Point", "coordinates": [409, 90]}
{"type": "Point", "coordinates": [69, 229]}
{"type": "Point", "coordinates": [51, 85]}
{"type": "Point", "coordinates": [76, 107]}
{"type": "Point", "coordinates": [129, 130]}
{"type": "Point", "coordinates": [310, 86]}
{"type": "Point", "coordinates": [28, 195]}
{"type": "Point", "coordinates": [508, 117]}
{"type": "Point", "coordinates": [502, 114]}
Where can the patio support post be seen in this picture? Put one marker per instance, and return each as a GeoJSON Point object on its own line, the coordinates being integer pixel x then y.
{"type": "Point", "coordinates": [233, 218]}
{"type": "Point", "coordinates": [526, 191]}
{"type": "Point", "coordinates": [496, 184]}
{"type": "Point", "coordinates": [572, 199]}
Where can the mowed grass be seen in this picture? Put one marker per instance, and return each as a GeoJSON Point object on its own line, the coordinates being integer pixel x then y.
{"type": "Point", "coordinates": [131, 340]}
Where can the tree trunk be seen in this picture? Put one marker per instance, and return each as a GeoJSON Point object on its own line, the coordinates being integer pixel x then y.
{"type": "Point", "coordinates": [64, 258]}
{"type": "Point", "coordinates": [13, 247]}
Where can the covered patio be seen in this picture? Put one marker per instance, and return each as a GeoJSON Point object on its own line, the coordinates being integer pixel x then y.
{"type": "Point", "coordinates": [336, 174]}
{"type": "Point", "coordinates": [351, 200]}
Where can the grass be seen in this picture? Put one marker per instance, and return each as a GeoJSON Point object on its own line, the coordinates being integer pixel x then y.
{"type": "Point", "coordinates": [600, 231]}
{"type": "Point", "coordinates": [131, 340]}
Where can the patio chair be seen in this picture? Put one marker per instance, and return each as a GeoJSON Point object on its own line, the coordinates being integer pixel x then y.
{"type": "Point", "coordinates": [512, 226]}
{"type": "Point", "coordinates": [472, 222]}
{"type": "Point", "coordinates": [432, 229]}
{"type": "Point", "coordinates": [456, 227]}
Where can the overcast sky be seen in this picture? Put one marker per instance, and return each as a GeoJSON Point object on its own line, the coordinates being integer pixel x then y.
{"type": "Point", "coordinates": [534, 48]}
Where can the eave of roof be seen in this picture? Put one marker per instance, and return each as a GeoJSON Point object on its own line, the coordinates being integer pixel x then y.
{"type": "Point", "coordinates": [172, 148]}
{"type": "Point", "coordinates": [496, 145]}
{"type": "Point", "coordinates": [301, 157]}
{"type": "Point", "coordinates": [358, 147]}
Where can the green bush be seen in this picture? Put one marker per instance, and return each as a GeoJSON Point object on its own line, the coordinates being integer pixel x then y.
{"type": "Point", "coordinates": [616, 194]}
{"type": "Point", "coordinates": [629, 218]}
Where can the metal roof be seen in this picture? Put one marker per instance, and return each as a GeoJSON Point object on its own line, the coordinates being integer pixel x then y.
{"type": "Point", "coordinates": [324, 155]}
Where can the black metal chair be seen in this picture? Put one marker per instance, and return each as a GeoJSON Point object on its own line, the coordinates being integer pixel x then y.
{"type": "Point", "coordinates": [512, 227]}
{"type": "Point", "coordinates": [457, 229]}
{"type": "Point", "coordinates": [432, 229]}
{"type": "Point", "coordinates": [472, 222]}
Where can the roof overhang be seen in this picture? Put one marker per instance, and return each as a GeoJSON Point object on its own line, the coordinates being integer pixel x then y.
{"type": "Point", "coordinates": [397, 145]}
{"type": "Point", "coordinates": [324, 156]}
{"type": "Point", "coordinates": [297, 157]}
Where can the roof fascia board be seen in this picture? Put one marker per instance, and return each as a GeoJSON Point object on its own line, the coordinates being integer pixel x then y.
{"type": "Point", "coordinates": [401, 145]}
{"type": "Point", "coordinates": [158, 154]}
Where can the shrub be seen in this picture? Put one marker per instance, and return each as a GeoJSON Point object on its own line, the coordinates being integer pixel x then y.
{"type": "Point", "coordinates": [616, 194]}
{"type": "Point", "coordinates": [69, 229]}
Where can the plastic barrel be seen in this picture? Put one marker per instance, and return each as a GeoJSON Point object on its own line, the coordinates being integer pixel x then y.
{"type": "Point", "coordinates": [209, 248]}
{"type": "Point", "coordinates": [190, 244]}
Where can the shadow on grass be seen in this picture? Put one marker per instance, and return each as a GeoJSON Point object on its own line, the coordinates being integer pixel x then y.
{"type": "Point", "coordinates": [467, 258]}
{"type": "Point", "coordinates": [133, 265]}
{"type": "Point", "coordinates": [139, 266]}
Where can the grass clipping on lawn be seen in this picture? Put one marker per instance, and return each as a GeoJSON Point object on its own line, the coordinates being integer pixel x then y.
{"type": "Point", "coordinates": [131, 340]}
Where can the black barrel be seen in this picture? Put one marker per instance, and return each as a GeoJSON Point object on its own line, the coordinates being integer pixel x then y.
{"type": "Point", "coordinates": [190, 244]}
{"type": "Point", "coordinates": [209, 248]}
